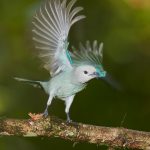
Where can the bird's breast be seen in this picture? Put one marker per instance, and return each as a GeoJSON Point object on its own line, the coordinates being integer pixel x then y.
{"type": "Point", "coordinates": [66, 90]}
{"type": "Point", "coordinates": [62, 86]}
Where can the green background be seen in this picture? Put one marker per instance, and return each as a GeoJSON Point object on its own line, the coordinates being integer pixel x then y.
{"type": "Point", "coordinates": [123, 26]}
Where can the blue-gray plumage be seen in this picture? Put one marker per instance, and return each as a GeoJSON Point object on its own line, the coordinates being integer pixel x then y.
{"type": "Point", "coordinates": [69, 70]}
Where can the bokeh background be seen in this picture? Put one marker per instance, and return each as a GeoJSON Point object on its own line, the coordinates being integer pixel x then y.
{"type": "Point", "coordinates": [123, 26]}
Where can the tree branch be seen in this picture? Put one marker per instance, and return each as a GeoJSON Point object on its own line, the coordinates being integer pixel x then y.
{"type": "Point", "coordinates": [54, 127]}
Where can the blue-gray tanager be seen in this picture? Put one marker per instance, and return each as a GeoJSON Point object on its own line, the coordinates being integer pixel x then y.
{"type": "Point", "coordinates": [69, 71]}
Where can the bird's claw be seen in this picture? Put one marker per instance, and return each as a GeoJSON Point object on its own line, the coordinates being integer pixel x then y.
{"type": "Point", "coordinates": [69, 121]}
{"type": "Point", "coordinates": [45, 114]}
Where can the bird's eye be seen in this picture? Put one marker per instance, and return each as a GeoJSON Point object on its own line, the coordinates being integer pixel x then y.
{"type": "Point", "coordinates": [85, 72]}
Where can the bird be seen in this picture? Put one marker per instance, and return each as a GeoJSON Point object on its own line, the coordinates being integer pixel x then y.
{"type": "Point", "coordinates": [69, 70]}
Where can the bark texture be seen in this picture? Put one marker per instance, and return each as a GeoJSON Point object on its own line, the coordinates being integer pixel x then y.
{"type": "Point", "coordinates": [76, 132]}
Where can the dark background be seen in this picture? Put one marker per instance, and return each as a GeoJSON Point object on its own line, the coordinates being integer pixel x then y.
{"type": "Point", "coordinates": [123, 26]}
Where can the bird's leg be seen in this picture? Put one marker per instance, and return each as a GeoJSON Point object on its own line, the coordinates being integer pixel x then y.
{"type": "Point", "coordinates": [68, 118]}
{"type": "Point", "coordinates": [45, 113]}
{"type": "Point", "coordinates": [68, 102]}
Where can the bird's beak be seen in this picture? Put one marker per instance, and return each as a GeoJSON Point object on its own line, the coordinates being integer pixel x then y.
{"type": "Point", "coordinates": [99, 74]}
{"type": "Point", "coordinates": [102, 74]}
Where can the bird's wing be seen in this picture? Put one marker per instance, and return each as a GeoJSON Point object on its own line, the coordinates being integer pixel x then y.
{"type": "Point", "coordinates": [50, 32]}
{"type": "Point", "coordinates": [91, 54]}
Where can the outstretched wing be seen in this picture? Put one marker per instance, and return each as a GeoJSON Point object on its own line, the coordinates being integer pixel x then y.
{"type": "Point", "coordinates": [51, 27]}
{"type": "Point", "coordinates": [88, 54]}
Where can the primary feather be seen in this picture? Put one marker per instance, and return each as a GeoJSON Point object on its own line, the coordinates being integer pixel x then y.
{"type": "Point", "coordinates": [51, 28]}
{"type": "Point", "coordinates": [88, 54]}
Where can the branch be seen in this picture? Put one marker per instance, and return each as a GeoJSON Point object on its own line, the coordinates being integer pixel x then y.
{"type": "Point", "coordinates": [76, 132]}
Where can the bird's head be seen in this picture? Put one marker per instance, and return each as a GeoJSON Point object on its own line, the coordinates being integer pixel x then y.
{"type": "Point", "coordinates": [88, 62]}
{"type": "Point", "coordinates": [85, 73]}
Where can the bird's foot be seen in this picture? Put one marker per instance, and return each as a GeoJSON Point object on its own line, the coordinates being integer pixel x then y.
{"type": "Point", "coordinates": [45, 113]}
{"type": "Point", "coordinates": [68, 118]}
{"type": "Point", "coordinates": [69, 121]}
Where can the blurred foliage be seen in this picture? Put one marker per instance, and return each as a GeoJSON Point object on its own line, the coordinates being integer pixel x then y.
{"type": "Point", "coordinates": [123, 26]}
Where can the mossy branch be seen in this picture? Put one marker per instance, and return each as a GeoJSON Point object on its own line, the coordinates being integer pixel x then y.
{"type": "Point", "coordinates": [54, 127]}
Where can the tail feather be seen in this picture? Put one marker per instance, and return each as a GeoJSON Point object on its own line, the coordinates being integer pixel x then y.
{"type": "Point", "coordinates": [36, 84]}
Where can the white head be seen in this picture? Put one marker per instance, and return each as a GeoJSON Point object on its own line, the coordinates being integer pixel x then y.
{"type": "Point", "coordinates": [85, 73]}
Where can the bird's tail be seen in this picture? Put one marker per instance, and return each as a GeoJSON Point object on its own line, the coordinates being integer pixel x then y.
{"type": "Point", "coordinates": [36, 84]}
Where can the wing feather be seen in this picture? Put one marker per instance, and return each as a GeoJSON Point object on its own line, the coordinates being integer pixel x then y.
{"type": "Point", "coordinates": [88, 54]}
{"type": "Point", "coordinates": [75, 11]}
{"type": "Point", "coordinates": [51, 26]}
